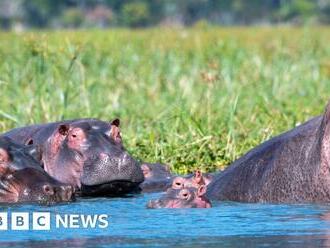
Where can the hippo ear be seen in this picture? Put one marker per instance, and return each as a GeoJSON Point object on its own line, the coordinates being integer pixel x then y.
{"type": "Point", "coordinates": [115, 131]}
{"type": "Point", "coordinates": [115, 122]}
{"type": "Point", "coordinates": [198, 174]}
{"type": "Point", "coordinates": [201, 190]}
{"type": "Point", "coordinates": [63, 129]}
{"type": "Point", "coordinates": [146, 170]}
{"type": "Point", "coordinates": [145, 167]}
{"type": "Point", "coordinates": [29, 142]}
{"type": "Point", "coordinates": [198, 177]}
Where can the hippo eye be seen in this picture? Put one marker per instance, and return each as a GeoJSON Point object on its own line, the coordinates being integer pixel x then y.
{"type": "Point", "coordinates": [46, 188]}
{"type": "Point", "coordinates": [177, 183]}
{"type": "Point", "coordinates": [77, 133]}
{"type": "Point", "coordinates": [185, 195]}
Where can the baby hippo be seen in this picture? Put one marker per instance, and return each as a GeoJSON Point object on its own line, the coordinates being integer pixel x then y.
{"type": "Point", "coordinates": [192, 181]}
{"type": "Point", "coordinates": [182, 198]}
{"type": "Point", "coordinates": [157, 177]}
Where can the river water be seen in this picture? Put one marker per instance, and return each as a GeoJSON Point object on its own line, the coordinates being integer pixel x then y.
{"type": "Point", "coordinates": [227, 224]}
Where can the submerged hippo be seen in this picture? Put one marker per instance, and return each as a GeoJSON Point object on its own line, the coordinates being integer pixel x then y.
{"type": "Point", "coordinates": [157, 177]}
{"type": "Point", "coordinates": [194, 180]}
{"type": "Point", "coordinates": [86, 153]}
{"type": "Point", "coordinates": [293, 167]}
{"type": "Point", "coordinates": [182, 198]}
{"type": "Point", "coordinates": [23, 180]}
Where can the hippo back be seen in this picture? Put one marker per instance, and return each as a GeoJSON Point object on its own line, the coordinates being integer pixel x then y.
{"type": "Point", "coordinates": [282, 169]}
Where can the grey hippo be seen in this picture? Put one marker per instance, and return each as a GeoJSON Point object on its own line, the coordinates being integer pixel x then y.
{"type": "Point", "coordinates": [293, 167]}
{"type": "Point", "coordinates": [85, 153]}
{"type": "Point", "coordinates": [157, 177]}
{"type": "Point", "coordinates": [23, 180]}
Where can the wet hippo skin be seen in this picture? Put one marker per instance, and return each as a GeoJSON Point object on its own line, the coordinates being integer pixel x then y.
{"type": "Point", "coordinates": [182, 198]}
{"type": "Point", "coordinates": [85, 153]}
{"type": "Point", "coordinates": [23, 180]}
{"type": "Point", "coordinates": [192, 181]}
{"type": "Point", "coordinates": [157, 177]}
{"type": "Point", "coordinates": [293, 167]}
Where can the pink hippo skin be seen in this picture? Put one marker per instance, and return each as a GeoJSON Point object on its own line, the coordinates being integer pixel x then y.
{"type": "Point", "coordinates": [182, 198]}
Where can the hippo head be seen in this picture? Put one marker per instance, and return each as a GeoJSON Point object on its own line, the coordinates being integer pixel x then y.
{"type": "Point", "coordinates": [90, 156]}
{"type": "Point", "coordinates": [155, 171]}
{"type": "Point", "coordinates": [192, 181]}
{"type": "Point", "coordinates": [157, 177]}
{"type": "Point", "coordinates": [182, 198]}
{"type": "Point", "coordinates": [23, 180]}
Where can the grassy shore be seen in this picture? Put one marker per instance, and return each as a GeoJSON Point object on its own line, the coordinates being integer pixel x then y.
{"type": "Point", "coordinates": [196, 98]}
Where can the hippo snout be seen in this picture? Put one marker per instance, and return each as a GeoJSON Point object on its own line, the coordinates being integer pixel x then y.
{"type": "Point", "coordinates": [131, 169]}
{"type": "Point", "coordinates": [155, 204]}
{"type": "Point", "coordinates": [165, 203]}
{"type": "Point", "coordinates": [58, 193]}
{"type": "Point", "coordinates": [106, 168]}
{"type": "Point", "coordinates": [111, 174]}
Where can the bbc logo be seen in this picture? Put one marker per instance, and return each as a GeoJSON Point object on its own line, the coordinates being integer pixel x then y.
{"type": "Point", "coordinates": [21, 221]}
{"type": "Point", "coordinates": [42, 221]}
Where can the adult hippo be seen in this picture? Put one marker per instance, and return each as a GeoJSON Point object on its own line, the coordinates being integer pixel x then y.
{"type": "Point", "coordinates": [293, 167]}
{"type": "Point", "coordinates": [85, 153]}
{"type": "Point", "coordinates": [182, 198]}
{"type": "Point", "coordinates": [23, 180]}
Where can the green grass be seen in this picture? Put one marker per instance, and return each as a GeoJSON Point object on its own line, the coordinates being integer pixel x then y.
{"type": "Point", "coordinates": [189, 98]}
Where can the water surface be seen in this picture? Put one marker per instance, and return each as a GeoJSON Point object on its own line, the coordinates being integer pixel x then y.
{"type": "Point", "coordinates": [227, 224]}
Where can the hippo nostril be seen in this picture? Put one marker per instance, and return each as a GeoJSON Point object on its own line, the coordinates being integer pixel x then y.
{"type": "Point", "coordinates": [184, 194]}
{"type": "Point", "coordinates": [48, 190]}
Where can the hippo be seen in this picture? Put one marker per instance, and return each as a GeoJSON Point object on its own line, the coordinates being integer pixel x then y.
{"type": "Point", "coordinates": [23, 180]}
{"type": "Point", "coordinates": [85, 153]}
{"type": "Point", "coordinates": [157, 177]}
{"type": "Point", "coordinates": [182, 198]}
{"type": "Point", "coordinates": [193, 180]}
{"type": "Point", "coordinates": [293, 167]}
